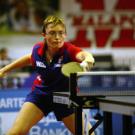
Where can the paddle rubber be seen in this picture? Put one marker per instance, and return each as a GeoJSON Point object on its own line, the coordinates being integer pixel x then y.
{"type": "Point", "coordinates": [71, 67]}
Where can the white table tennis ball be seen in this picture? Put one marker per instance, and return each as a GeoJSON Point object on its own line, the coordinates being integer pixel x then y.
{"type": "Point", "coordinates": [84, 64]}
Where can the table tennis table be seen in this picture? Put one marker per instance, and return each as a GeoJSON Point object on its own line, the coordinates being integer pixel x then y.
{"type": "Point", "coordinates": [124, 105]}
{"type": "Point", "coordinates": [121, 102]}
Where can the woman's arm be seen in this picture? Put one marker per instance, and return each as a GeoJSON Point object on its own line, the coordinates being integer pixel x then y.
{"type": "Point", "coordinates": [87, 60]}
{"type": "Point", "coordinates": [21, 62]}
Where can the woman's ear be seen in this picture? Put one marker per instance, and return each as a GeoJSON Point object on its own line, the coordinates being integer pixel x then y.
{"type": "Point", "coordinates": [65, 35]}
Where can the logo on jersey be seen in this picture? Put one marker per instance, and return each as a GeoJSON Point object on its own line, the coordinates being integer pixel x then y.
{"type": "Point", "coordinates": [40, 64]}
{"type": "Point", "coordinates": [57, 65]}
{"type": "Point", "coordinates": [60, 60]}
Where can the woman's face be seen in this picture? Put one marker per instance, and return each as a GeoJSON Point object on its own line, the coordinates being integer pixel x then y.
{"type": "Point", "coordinates": [55, 36]}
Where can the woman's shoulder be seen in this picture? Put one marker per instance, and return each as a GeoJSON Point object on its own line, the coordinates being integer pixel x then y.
{"type": "Point", "coordinates": [38, 45]}
{"type": "Point", "coordinates": [68, 44]}
{"type": "Point", "coordinates": [38, 48]}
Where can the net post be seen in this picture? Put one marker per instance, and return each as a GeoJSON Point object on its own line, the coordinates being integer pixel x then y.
{"type": "Point", "coordinates": [73, 85]}
{"type": "Point", "coordinates": [77, 108]}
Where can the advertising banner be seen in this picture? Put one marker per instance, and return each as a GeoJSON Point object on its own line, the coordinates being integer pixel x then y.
{"type": "Point", "coordinates": [10, 103]}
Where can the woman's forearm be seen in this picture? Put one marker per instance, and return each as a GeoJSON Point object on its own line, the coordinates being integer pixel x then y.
{"type": "Point", "coordinates": [21, 62]}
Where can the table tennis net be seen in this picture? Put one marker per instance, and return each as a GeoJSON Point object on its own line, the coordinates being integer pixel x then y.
{"type": "Point", "coordinates": [105, 83]}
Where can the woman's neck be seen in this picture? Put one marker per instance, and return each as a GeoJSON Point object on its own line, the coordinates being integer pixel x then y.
{"type": "Point", "coordinates": [52, 51]}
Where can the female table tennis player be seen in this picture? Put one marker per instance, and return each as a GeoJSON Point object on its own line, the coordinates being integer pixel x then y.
{"type": "Point", "coordinates": [47, 58]}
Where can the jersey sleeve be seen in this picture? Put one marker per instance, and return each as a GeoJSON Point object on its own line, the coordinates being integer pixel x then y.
{"type": "Point", "coordinates": [36, 51]}
{"type": "Point", "coordinates": [33, 54]}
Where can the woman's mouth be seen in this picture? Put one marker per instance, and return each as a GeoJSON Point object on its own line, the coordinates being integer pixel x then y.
{"type": "Point", "coordinates": [57, 42]}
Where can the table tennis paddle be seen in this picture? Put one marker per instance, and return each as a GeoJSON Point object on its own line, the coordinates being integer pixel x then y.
{"type": "Point", "coordinates": [71, 67]}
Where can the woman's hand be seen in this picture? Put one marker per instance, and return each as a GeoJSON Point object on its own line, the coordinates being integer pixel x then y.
{"type": "Point", "coordinates": [87, 60]}
{"type": "Point", "coordinates": [86, 65]}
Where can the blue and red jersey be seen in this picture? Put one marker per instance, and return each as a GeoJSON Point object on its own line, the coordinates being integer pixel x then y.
{"type": "Point", "coordinates": [49, 76]}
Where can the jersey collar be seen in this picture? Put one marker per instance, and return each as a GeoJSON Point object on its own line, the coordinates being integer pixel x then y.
{"type": "Point", "coordinates": [43, 46]}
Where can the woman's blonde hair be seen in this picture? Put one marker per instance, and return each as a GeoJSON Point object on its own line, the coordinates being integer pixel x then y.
{"type": "Point", "coordinates": [52, 20]}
